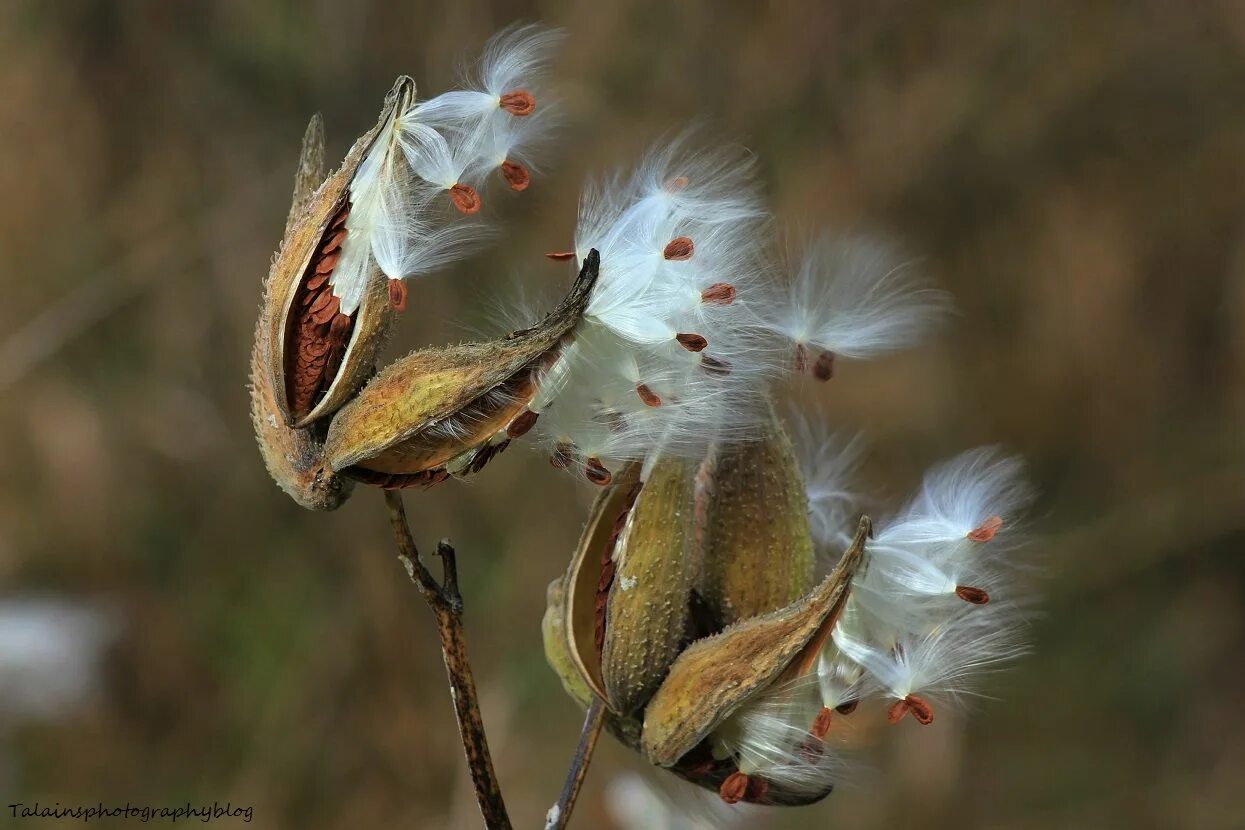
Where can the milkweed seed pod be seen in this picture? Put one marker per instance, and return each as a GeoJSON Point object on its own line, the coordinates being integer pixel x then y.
{"type": "Point", "coordinates": [717, 676]}
{"type": "Point", "coordinates": [625, 597]}
{"type": "Point", "coordinates": [751, 504]}
{"type": "Point", "coordinates": [448, 410]}
{"type": "Point", "coordinates": [294, 457]}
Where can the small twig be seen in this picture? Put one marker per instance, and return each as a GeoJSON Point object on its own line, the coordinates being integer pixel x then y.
{"type": "Point", "coordinates": [447, 606]}
{"type": "Point", "coordinates": [560, 813]}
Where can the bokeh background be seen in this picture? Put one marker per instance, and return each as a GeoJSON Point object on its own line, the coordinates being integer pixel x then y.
{"type": "Point", "coordinates": [176, 628]}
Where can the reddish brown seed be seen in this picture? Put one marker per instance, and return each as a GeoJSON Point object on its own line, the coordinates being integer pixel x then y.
{"type": "Point", "coordinates": [714, 366]}
{"type": "Point", "coordinates": [720, 293]}
{"type": "Point", "coordinates": [315, 283]}
{"type": "Point", "coordinates": [801, 358]}
{"type": "Point", "coordinates": [647, 395]}
{"type": "Point", "coordinates": [561, 256]}
{"type": "Point", "coordinates": [595, 471]}
{"type": "Point", "coordinates": [329, 262]}
{"type": "Point", "coordinates": [692, 342]}
{"type": "Point", "coordinates": [563, 455]}
{"type": "Point", "coordinates": [975, 596]}
{"type": "Point", "coordinates": [920, 710]}
{"type": "Point", "coordinates": [821, 724]}
{"type": "Point", "coordinates": [319, 302]}
{"type": "Point", "coordinates": [333, 242]}
{"type": "Point", "coordinates": [847, 708]}
{"type": "Point", "coordinates": [734, 788]}
{"type": "Point", "coordinates": [328, 312]}
{"type": "Point", "coordinates": [757, 788]}
{"type": "Point", "coordinates": [985, 532]}
{"type": "Point", "coordinates": [896, 711]}
{"type": "Point", "coordinates": [465, 198]}
{"type": "Point", "coordinates": [823, 369]}
{"type": "Point", "coordinates": [520, 102]}
{"type": "Point", "coordinates": [340, 219]}
{"type": "Point", "coordinates": [397, 295]}
{"type": "Point", "coordinates": [515, 175]}
{"type": "Point", "coordinates": [524, 422]}
{"type": "Point", "coordinates": [679, 248]}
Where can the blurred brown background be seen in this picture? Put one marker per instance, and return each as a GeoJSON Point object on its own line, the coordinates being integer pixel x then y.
{"type": "Point", "coordinates": [1073, 172]}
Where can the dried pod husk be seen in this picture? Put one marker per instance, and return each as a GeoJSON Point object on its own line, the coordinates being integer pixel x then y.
{"type": "Point", "coordinates": [316, 356]}
{"type": "Point", "coordinates": [628, 587]}
{"type": "Point", "coordinates": [294, 457]}
{"type": "Point", "coordinates": [751, 503]}
{"type": "Point", "coordinates": [447, 409]}
{"type": "Point", "coordinates": [715, 676]}
{"type": "Point", "coordinates": [557, 643]}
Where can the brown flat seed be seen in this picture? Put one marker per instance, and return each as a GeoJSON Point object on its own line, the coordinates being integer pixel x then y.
{"type": "Point", "coordinates": [896, 711]}
{"type": "Point", "coordinates": [322, 301]}
{"type": "Point", "coordinates": [920, 710]}
{"type": "Point", "coordinates": [679, 248]}
{"type": "Point", "coordinates": [823, 369]}
{"type": "Point", "coordinates": [720, 293]}
{"type": "Point", "coordinates": [561, 256]}
{"type": "Point", "coordinates": [821, 724]}
{"type": "Point", "coordinates": [692, 342]}
{"type": "Point", "coordinates": [847, 708]}
{"type": "Point", "coordinates": [524, 422]}
{"type": "Point", "coordinates": [333, 242]}
{"type": "Point", "coordinates": [734, 788]}
{"type": "Point", "coordinates": [316, 282]}
{"type": "Point", "coordinates": [985, 532]}
{"type": "Point", "coordinates": [563, 455]}
{"type": "Point", "coordinates": [595, 472]}
{"type": "Point", "coordinates": [515, 175]}
{"type": "Point", "coordinates": [397, 295]}
{"type": "Point", "coordinates": [520, 102]}
{"type": "Point", "coordinates": [328, 262]}
{"type": "Point", "coordinates": [974, 596]}
{"type": "Point", "coordinates": [647, 395]}
{"type": "Point", "coordinates": [465, 198]}
{"type": "Point", "coordinates": [330, 309]}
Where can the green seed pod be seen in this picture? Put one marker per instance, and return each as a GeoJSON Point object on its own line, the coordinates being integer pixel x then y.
{"type": "Point", "coordinates": [294, 457]}
{"type": "Point", "coordinates": [753, 515]}
{"type": "Point", "coordinates": [715, 676]}
{"type": "Point", "coordinates": [316, 355]}
{"type": "Point", "coordinates": [450, 409]}
{"type": "Point", "coordinates": [558, 644]}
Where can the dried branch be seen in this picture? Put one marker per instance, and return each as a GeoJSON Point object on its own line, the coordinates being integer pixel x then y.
{"type": "Point", "coordinates": [560, 813]}
{"type": "Point", "coordinates": [447, 606]}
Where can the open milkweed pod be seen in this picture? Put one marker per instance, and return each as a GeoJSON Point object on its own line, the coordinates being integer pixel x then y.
{"type": "Point", "coordinates": [450, 409]}
{"type": "Point", "coordinates": [752, 514]}
{"type": "Point", "coordinates": [294, 457]}
{"type": "Point", "coordinates": [716, 676]}
{"type": "Point", "coordinates": [319, 351]}
{"type": "Point", "coordinates": [628, 588]}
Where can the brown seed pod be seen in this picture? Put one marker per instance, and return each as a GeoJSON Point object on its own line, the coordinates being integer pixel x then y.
{"type": "Point", "coordinates": [752, 505]}
{"type": "Point", "coordinates": [427, 409]}
{"type": "Point", "coordinates": [316, 356]}
{"type": "Point", "coordinates": [294, 457]}
{"type": "Point", "coordinates": [715, 676]}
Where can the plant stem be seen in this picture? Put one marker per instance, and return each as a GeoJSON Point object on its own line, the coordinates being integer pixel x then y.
{"type": "Point", "coordinates": [560, 813]}
{"type": "Point", "coordinates": [447, 606]}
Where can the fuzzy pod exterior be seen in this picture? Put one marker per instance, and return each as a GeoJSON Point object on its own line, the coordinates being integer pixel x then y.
{"type": "Point", "coordinates": [715, 676]}
{"type": "Point", "coordinates": [294, 457]}
{"type": "Point", "coordinates": [309, 249]}
{"type": "Point", "coordinates": [753, 515]}
{"type": "Point", "coordinates": [431, 407]}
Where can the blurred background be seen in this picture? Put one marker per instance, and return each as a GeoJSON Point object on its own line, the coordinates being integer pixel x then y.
{"type": "Point", "coordinates": [172, 627]}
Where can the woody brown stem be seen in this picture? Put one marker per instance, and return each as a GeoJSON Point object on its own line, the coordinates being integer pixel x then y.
{"type": "Point", "coordinates": [447, 607]}
{"type": "Point", "coordinates": [560, 813]}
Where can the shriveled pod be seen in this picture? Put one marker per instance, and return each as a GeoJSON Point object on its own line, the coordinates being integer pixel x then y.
{"type": "Point", "coordinates": [294, 457]}
{"type": "Point", "coordinates": [751, 503]}
{"type": "Point", "coordinates": [320, 347]}
{"type": "Point", "coordinates": [448, 410]}
{"type": "Point", "coordinates": [717, 675]}
{"type": "Point", "coordinates": [628, 588]}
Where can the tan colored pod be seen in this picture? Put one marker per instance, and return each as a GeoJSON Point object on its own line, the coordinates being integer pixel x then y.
{"type": "Point", "coordinates": [294, 457]}
{"type": "Point", "coordinates": [317, 357]}
{"type": "Point", "coordinates": [424, 411]}
{"type": "Point", "coordinates": [753, 509]}
{"type": "Point", "coordinates": [715, 676]}
{"type": "Point", "coordinates": [646, 621]}
{"type": "Point", "coordinates": [557, 643]}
